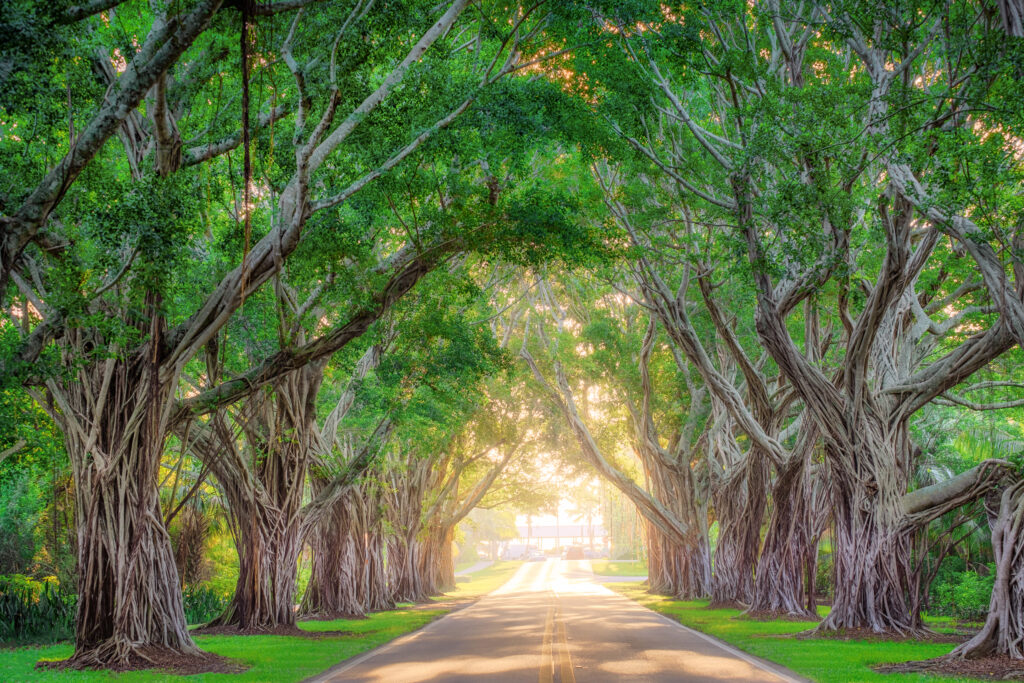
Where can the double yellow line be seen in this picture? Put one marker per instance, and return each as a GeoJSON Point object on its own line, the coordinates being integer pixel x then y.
{"type": "Point", "coordinates": [555, 662]}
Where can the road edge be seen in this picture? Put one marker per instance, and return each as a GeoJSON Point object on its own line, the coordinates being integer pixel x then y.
{"type": "Point", "coordinates": [349, 663]}
{"type": "Point", "coordinates": [768, 665]}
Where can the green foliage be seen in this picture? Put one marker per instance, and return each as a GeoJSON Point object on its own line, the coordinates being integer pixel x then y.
{"type": "Point", "coordinates": [963, 595]}
{"type": "Point", "coordinates": [824, 574]}
{"type": "Point", "coordinates": [19, 513]}
{"type": "Point", "coordinates": [34, 611]}
{"type": "Point", "coordinates": [203, 603]}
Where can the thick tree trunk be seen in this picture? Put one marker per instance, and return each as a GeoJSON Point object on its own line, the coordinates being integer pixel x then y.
{"type": "Point", "coordinates": [1003, 632]}
{"type": "Point", "coordinates": [438, 568]}
{"type": "Point", "coordinates": [871, 547]}
{"type": "Point", "coordinates": [790, 546]}
{"type": "Point", "coordinates": [739, 507]}
{"type": "Point", "coordinates": [268, 555]}
{"type": "Point", "coordinates": [376, 576]}
{"type": "Point", "coordinates": [128, 587]}
{"type": "Point", "coordinates": [738, 485]}
{"type": "Point", "coordinates": [348, 577]}
{"type": "Point", "coordinates": [336, 576]}
{"type": "Point", "coordinates": [335, 580]}
{"type": "Point", "coordinates": [265, 505]}
{"type": "Point", "coordinates": [684, 573]}
{"type": "Point", "coordinates": [673, 568]}
{"type": "Point", "coordinates": [130, 603]}
{"type": "Point", "coordinates": [404, 558]}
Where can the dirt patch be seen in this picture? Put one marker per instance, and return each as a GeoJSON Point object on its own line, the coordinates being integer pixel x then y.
{"type": "Point", "coordinates": [727, 604]}
{"type": "Point", "coordinates": [1000, 668]}
{"type": "Point", "coordinates": [276, 631]}
{"type": "Point", "coordinates": [871, 636]}
{"type": "Point", "coordinates": [332, 617]}
{"type": "Point", "coordinates": [162, 659]}
{"type": "Point", "coordinates": [775, 616]}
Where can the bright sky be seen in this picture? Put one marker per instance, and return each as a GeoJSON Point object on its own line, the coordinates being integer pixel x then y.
{"type": "Point", "coordinates": [567, 514]}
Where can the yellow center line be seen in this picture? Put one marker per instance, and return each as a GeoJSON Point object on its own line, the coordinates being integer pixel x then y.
{"type": "Point", "coordinates": [547, 661]}
{"type": "Point", "coordinates": [564, 658]}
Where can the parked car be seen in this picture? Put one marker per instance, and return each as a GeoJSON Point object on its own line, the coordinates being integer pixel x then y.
{"type": "Point", "coordinates": [537, 556]}
{"type": "Point", "coordinates": [574, 552]}
{"type": "Point", "coordinates": [518, 551]}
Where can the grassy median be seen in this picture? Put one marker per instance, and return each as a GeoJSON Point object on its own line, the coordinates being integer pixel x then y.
{"type": "Point", "coordinates": [825, 660]}
{"type": "Point", "coordinates": [281, 659]}
{"type": "Point", "coordinates": [619, 567]}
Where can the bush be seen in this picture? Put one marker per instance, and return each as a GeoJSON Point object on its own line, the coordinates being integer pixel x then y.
{"type": "Point", "coordinates": [824, 575]}
{"type": "Point", "coordinates": [19, 514]}
{"type": "Point", "coordinates": [964, 595]}
{"type": "Point", "coordinates": [202, 604]}
{"type": "Point", "coordinates": [35, 611]}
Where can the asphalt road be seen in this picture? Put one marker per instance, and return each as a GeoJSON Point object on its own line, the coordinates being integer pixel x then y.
{"type": "Point", "coordinates": [553, 622]}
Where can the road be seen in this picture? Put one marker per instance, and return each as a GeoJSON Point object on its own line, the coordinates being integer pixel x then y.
{"type": "Point", "coordinates": [552, 621]}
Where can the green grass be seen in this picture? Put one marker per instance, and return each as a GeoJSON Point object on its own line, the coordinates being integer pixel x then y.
{"type": "Point", "coordinates": [823, 660]}
{"type": "Point", "coordinates": [464, 565]}
{"type": "Point", "coordinates": [619, 567]}
{"type": "Point", "coordinates": [270, 658]}
{"type": "Point", "coordinates": [483, 581]}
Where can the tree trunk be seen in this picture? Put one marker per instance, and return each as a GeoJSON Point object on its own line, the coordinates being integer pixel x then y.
{"type": "Point", "coordinates": [738, 484]}
{"type": "Point", "coordinates": [265, 505]}
{"type": "Point", "coordinates": [871, 548]}
{"type": "Point", "coordinates": [739, 508]}
{"type": "Point", "coordinates": [683, 573]}
{"type": "Point", "coordinates": [406, 580]}
{"type": "Point", "coordinates": [782, 585]}
{"type": "Point", "coordinates": [128, 587]}
{"type": "Point", "coordinates": [1003, 632]}
{"type": "Point", "coordinates": [348, 578]}
{"type": "Point", "coordinates": [268, 555]}
{"type": "Point", "coordinates": [336, 574]}
{"type": "Point", "coordinates": [114, 423]}
{"type": "Point", "coordinates": [438, 563]}
{"type": "Point", "coordinates": [376, 576]}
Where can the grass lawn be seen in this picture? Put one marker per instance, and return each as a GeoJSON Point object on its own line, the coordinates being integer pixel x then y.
{"type": "Point", "coordinates": [823, 660]}
{"type": "Point", "coordinates": [619, 567]}
{"type": "Point", "coordinates": [483, 581]}
{"type": "Point", "coordinates": [270, 658]}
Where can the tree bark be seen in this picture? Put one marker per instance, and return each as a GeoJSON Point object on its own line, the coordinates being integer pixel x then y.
{"type": "Point", "coordinates": [405, 560]}
{"type": "Point", "coordinates": [681, 572]}
{"type": "Point", "coordinates": [738, 483]}
{"type": "Point", "coordinates": [347, 576]}
{"type": "Point", "coordinates": [268, 554]}
{"type": "Point", "coordinates": [113, 418]}
{"type": "Point", "coordinates": [265, 505]}
{"type": "Point", "coordinates": [873, 578]}
{"type": "Point", "coordinates": [1003, 632]}
{"type": "Point", "coordinates": [739, 508]}
{"type": "Point", "coordinates": [783, 581]}
{"type": "Point", "coordinates": [438, 568]}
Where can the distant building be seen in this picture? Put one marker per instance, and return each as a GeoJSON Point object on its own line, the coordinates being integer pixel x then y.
{"type": "Point", "coordinates": [546, 536]}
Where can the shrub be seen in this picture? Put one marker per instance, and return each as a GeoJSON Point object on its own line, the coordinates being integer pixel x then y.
{"type": "Point", "coordinates": [964, 595]}
{"type": "Point", "coordinates": [19, 514]}
{"type": "Point", "coordinates": [35, 611]}
{"type": "Point", "coordinates": [824, 574]}
{"type": "Point", "coordinates": [202, 604]}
